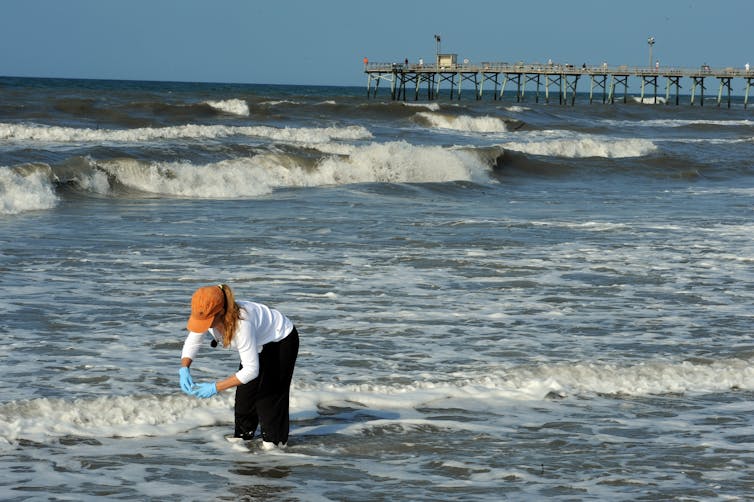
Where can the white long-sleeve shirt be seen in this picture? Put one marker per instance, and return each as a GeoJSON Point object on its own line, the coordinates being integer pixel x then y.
{"type": "Point", "coordinates": [257, 326]}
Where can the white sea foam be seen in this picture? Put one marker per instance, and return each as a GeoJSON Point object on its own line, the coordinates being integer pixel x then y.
{"type": "Point", "coordinates": [678, 123]}
{"type": "Point", "coordinates": [434, 107]}
{"type": "Point", "coordinates": [94, 181]}
{"type": "Point", "coordinates": [400, 162]}
{"type": "Point", "coordinates": [126, 416]}
{"type": "Point", "coordinates": [649, 100]}
{"type": "Point", "coordinates": [517, 109]}
{"type": "Point", "coordinates": [26, 191]}
{"type": "Point", "coordinates": [395, 162]}
{"type": "Point", "coordinates": [655, 377]}
{"type": "Point", "coordinates": [463, 123]}
{"type": "Point", "coordinates": [279, 102]}
{"type": "Point", "coordinates": [56, 134]}
{"type": "Point", "coordinates": [586, 147]}
{"type": "Point", "coordinates": [231, 106]}
{"type": "Point", "coordinates": [162, 415]}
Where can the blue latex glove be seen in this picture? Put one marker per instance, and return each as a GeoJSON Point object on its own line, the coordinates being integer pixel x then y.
{"type": "Point", "coordinates": [186, 381]}
{"type": "Point", "coordinates": [205, 389]}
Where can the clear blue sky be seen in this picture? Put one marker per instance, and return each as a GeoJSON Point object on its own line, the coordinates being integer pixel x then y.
{"type": "Point", "coordinates": [324, 41]}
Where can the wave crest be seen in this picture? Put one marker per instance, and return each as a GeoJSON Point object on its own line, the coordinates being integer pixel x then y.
{"type": "Point", "coordinates": [231, 107]}
{"type": "Point", "coordinates": [26, 188]}
{"type": "Point", "coordinates": [148, 415]}
{"type": "Point", "coordinates": [400, 162]}
{"type": "Point", "coordinates": [465, 123]}
{"type": "Point", "coordinates": [396, 162]}
{"type": "Point", "coordinates": [125, 416]}
{"type": "Point", "coordinates": [650, 378]}
{"type": "Point", "coordinates": [586, 147]}
{"type": "Point", "coordinates": [56, 134]}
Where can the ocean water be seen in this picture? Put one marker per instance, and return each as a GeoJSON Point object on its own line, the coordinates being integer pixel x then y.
{"type": "Point", "coordinates": [496, 300]}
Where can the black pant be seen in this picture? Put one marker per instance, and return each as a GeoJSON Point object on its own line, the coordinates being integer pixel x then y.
{"type": "Point", "coordinates": [264, 400]}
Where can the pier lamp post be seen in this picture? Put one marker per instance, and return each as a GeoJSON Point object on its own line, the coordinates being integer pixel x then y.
{"type": "Point", "coordinates": [650, 42]}
{"type": "Point", "coordinates": [437, 50]}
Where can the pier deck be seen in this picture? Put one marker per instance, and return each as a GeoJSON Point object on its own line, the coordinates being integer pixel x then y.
{"type": "Point", "coordinates": [563, 78]}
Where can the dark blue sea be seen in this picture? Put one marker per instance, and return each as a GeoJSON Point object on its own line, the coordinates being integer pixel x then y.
{"type": "Point", "coordinates": [496, 299]}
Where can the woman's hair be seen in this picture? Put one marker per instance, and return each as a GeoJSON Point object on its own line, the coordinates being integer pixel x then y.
{"type": "Point", "coordinates": [231, 316]}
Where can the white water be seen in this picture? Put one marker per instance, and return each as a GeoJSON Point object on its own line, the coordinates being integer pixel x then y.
{"type": "Point", "coordinates": [231, 106]}
{"type": "Point", "coordinates": [25, 192]}
{"type": "Point", "coordinates": [396, 162]}
{"type": "Point", "coordinates": [57, 134]}
{"type": "Point", "coordinates": [586, 146]}
{"type": "Point", "coordinates": [678, 123]}
{"type": "Point", "coordinates": [244, 177]}
{"type": "Point", "coordinates": [170, 414]}
{"type": "Point", "coordinates": [649, 100]}
{"type": "Point", "coordinates": [463, 123]}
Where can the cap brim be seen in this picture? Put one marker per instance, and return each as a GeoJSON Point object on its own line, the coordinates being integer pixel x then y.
{"type": "Point", "coordinates": [199, 325]}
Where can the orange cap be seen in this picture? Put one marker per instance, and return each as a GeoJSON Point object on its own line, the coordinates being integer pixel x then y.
{"type": "Point", "coordinates": [206, 303]}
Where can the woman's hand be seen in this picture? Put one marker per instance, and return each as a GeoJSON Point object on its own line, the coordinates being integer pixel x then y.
{"type": "Point", "coordinates": [204, 390]}
{"type": "Point", "coordinates": [186, 382]}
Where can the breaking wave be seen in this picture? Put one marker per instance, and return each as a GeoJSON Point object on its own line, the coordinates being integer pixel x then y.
{"type": "Point", "coordinates": [231, 107]}
{"type": "Point", "coordinates": [463, 123]}
{"type": "Point", "coordinates": [649, 100]}
{"type": "Point", "coordinates": [260, 174]}
{"type": "Point", "coordinates": [26, 188]}
{"type": "Point", "coordinates": [396, 162]}
{"type": "Point", "coordinates": [586, 147]}
{"type": "Point", "coordinates": [56, 134]}
{"type": "Point", "coordinates": [162, 415]}
{"type": "Point", "coordinates": [434, 107]}
{"type": "Point", "coordinates": [678, 123]}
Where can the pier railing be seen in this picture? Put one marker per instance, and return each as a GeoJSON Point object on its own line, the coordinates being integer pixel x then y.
{"type": "Point", "coordinates": [544, 68]}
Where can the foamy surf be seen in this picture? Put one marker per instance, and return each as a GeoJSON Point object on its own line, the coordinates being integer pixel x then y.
{"type": "Point", "coordinates": [585, 147]}
{"type": "Point", "coordinates": [169, 415]}
{"type": "Point", "coordinates": [672, 123]}
{"type": "Point", "coordinates": [433, 107]}
{"type": "Point", "coordinates": [109, 416]}
{"type": "Point", "coordinates": [231, 106]}
{"type": "Point", "coordinates": [643, 379]}
{"type": "Point", "coordinates": [26, 189]}
{"type": "Point", "coordinates": [57, 134]}
{"type": "Point", "coordinates": [395, 162]}
{"type": "Point", "coordinates": [649, 100]}
{"type": "Point", "coordinates": [463, 123]}
{"type": "Point", "coordinates": [340, 163]}
{"type": "Point", "coordinates": [400, 162]}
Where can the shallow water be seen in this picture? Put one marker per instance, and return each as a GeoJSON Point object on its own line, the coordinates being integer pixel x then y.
{"type": "Point", "coordinates": [495, 300]}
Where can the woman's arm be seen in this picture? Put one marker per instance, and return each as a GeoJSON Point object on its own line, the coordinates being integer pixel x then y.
{"type": "Point", "coordinates": [209, 389]}
{"type": "Point", "coordinates": [191, 346]}
{"type": "Point", "coordinates": [245, 343]}
{"type": "Point", "coordinates": [228, 383]}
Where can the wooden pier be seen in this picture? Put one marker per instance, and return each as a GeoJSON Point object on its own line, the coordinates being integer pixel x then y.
{"type": "Point", "coordinates": [549, 79]}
